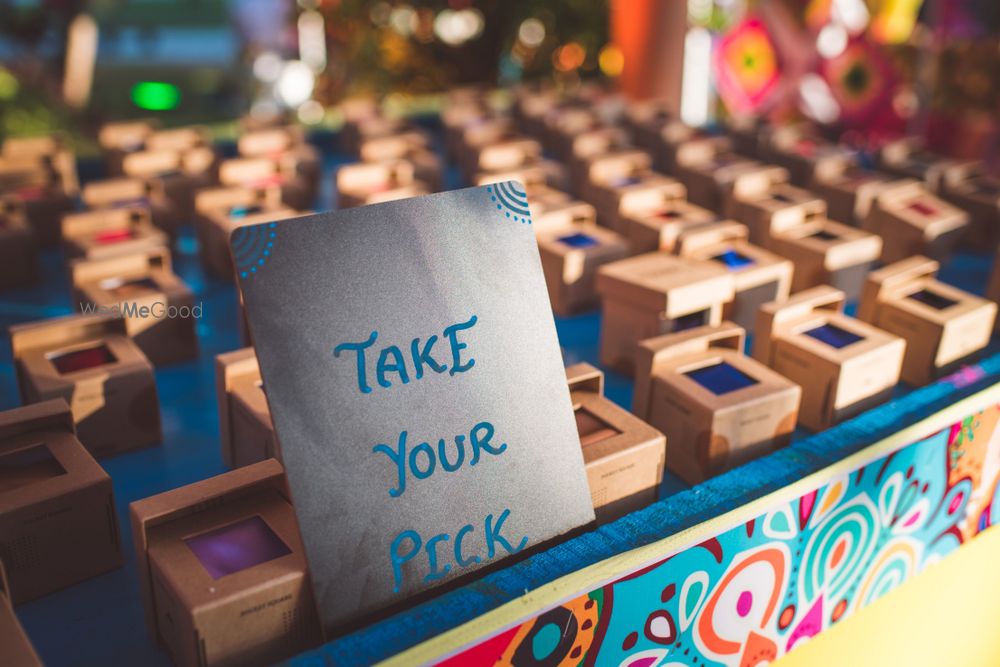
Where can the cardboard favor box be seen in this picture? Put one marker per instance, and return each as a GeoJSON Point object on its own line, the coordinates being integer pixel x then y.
{"type": "Point", "coordinates": [770, 209]}
{"type": "Point", "coordinates": [50, 152]}
{"type": "Point", "coordinates": [587, 146]}
{"type": "Point", "coordinates": [362, 183]}
{"type": "Point", "coordinates": [128, 192]}
{"type": "Point", "coordinates": [653, 294]}
{"type": "Point", "coordinates": [978, 194]}
{"type": "Point", "coordinates": [909, 158]}
{"type": "Point", "coordinates": [247, 432]}
{"type": "Point", "coordinates": [806, 154]}
{"type": "Point", "coordinates": [942, 325]}
{"type": "Point", "coordinates": [843, 365]}
{"type": "Point", "coordinates": [659, 228]}
{"type": "Point", "coordinates": [413, 147]}
{"type": "Point", "coordinates": [623, 454]}
{"type": "Point", "coordinates": [212, 206]}
{"type": "Point", "coordinates": [269, 140]}
{"type": "Point", "coordinates": [178, 173]}
{"type": "Point", "coordinates": [219, 225]}
{"type": "Point", "coordinates": [717, 407]}
{"type": "Point", "coordinates": [532, 104]}
{"type": "Point", "coordinates": [849, 194]}
{"type": "Point", "coordinates": [119, 139]}
{"type": "Point", "coordinates": [111, 232]}
{"type": "Point", "coordinates": [18, 246]}
{"type": "Point", "coordinates": [825, 252]}
{"type": "Point", "coordinates": [179, 138]}
{"type": "Point", "coordinates": [57, 513]}
{"type": "Point", "coordinates": [223, 572]}
{"type": "Point", "coordinates": [43, 189]}
{"type": "Point", "coordinates": [294, 172]}
{"type": "Point", "coordinates": [715, 178]}
{"type": "Point", "coordinates": [624, 182]}
{"type": "Point", "coordinates": [90, 362]}
{"type": "Point", "coordinates": [912, 221]}
{"type": "Point", "coordinates": [572, 247]}
{"type": "Point", "coordinates": [412, 369]}
{"type": "Point", "coordinates": [159, 309]}
{"type": "Point", "coordinates": [563, 125]}
{"type": "Point", "coordinates": [759, 276]}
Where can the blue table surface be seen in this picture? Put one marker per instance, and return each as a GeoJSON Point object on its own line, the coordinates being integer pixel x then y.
{"type": "Point", "coordinates": [100, 621]}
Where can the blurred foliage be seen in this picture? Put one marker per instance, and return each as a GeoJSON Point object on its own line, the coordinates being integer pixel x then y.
{"type": "Point", "coordinates": [368, 54]}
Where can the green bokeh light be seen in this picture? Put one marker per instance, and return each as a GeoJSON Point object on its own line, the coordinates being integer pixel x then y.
{"type": "Point", "coordinates": [155, 95]}
{"type": "Point", "coordinates": [8, 85]}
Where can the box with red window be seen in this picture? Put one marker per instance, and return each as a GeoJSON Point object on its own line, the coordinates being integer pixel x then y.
{"type": "Point", "coordinates": [44, 185]}
{"type": "Point", "coordinates": [90, 362]}
{"type": "Point", "coordinates": [111, 232]}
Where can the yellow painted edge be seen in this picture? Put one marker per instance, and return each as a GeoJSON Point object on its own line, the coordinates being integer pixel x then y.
{"type": "Point", "coordinates": [594, 576]}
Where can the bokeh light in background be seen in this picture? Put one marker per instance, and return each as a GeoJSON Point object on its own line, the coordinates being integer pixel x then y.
{"type": "Point", "coordinates": [870, 68]}
{"type": "Point", "coordinates": [155, 96]}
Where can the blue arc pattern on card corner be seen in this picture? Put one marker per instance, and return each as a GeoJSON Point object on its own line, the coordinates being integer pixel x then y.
{"type": "Point", "coordinates": [513, 203]}
{"type": "Point", "coordinates": [252, 246]}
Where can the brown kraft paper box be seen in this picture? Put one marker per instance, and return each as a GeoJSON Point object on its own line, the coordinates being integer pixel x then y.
{"type": "Point", "coordinates": [849, 194]}
{"type": "Point", "coordinates": [909, 158]}
{"type": "Point", "coordinates": [159, 309]}
{"type": "Point", "coordinates": [509, 152]}
{"type": "Point", "coordinates": [358, 184]}
{"type": "Point", "coordinates": [716, 179]}
{"type": "Point", "coordinates": [572, 247]}
{"type": "Point", "coordinates": [828, 253]}
{"type": "Point", "coordinates": [223, 572]}
{"type": "Point", "coordinates": [759, 276]}
{"type": "Point", "coordinates": [58, 524]}
{"type": "Point", "coordinates": [117, 140]}
{"type": "Point", "coordinates": [912, 221]}
{"type": "Point", "coordinates": [18, 246]}
{"type": "Point", "coordinates": [588, 146]}
{"type": "Point", "coordinates": [89, 361]}
{"type": "Point", "coordinates": [844, 366]}
{"type": "Point", "coordinates": [247, 432]}
{"type": "Point", "coordinates": [51, 152]}
{"type": "Point", "coordinates": [222, 202]}
{"type": "Point", "coordinates": [179, 138]}
{"type": "Point", "coordinates": [176, 173]}
{"type": "Point", "coordinates": [660, 227]}
{"type": "Point", "coordinates": [133, 193]}
{"type": "Point", "coordinates": [942, 325]}
{"type": "Point", "coordinates": [623, 183]}
{"type": "Point", "coordinates": [653, 294]}
{"type": "Point", "coordinates": [44, 191]}
{"type": "Point", "coordinates": [287, 145]}
{"type": "Point", "coordinates": [287, 172]}
{"type": "Point", "coordinates": [807, 155]}
{"type": "Point", "coordinates": [768, 209]}
{"type": "Point", "coordinates": [718, 408]}
{"type": "Point", "coordinates": [977, 193]}
{"type": "Point", "coordinates": [623, 455]}
{"type": "Point", "coordinates": [111, 232]}
{"type": "Point", "coordinates": [216, 256]}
